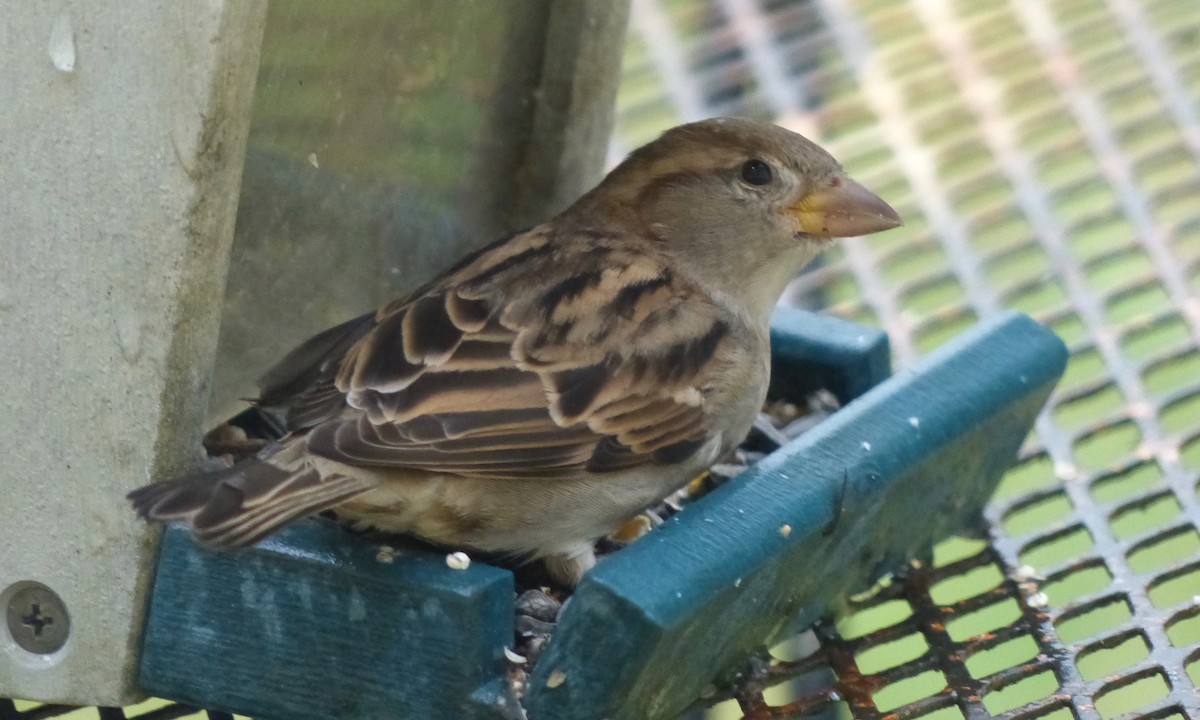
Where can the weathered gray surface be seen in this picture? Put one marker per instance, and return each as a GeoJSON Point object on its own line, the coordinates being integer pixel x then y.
{"type": "Point", "coordinates": [122, 131]}
{"type": "Point", "coordinates": [388, 139]}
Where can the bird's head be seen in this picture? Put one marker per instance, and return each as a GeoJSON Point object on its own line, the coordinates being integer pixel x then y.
{"type": "Point", "coordinates": [739, 200]}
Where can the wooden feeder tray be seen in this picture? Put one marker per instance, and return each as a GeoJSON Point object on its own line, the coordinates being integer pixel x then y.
{"type": "Point", "coordinates": [318, 623]}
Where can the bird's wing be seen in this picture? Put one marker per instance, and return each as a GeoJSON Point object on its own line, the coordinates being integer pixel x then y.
{"type": "Point", "coordinates": [539, 356]}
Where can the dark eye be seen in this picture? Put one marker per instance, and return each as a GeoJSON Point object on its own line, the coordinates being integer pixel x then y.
{"type": "Point", "coordinates": [756, 172]}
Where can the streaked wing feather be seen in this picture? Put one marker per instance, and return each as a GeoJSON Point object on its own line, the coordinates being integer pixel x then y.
{"type": "Point", "coordinates": [242, 504]}
{"type": "Point", "coordinates": [531, 359]}
{"type": "Point", "coordinates": [308, 493]}
{"type": "Point", "coordinates": [322, 402]}
{"type": "Point", "coordinates": [311, 366]}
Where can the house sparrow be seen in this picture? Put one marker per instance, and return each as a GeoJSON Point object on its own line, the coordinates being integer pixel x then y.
{"type": "Point", "coordinates": [549, 386]}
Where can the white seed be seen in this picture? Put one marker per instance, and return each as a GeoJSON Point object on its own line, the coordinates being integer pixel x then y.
{"type": "Point", "coordinates": [458, 561]}
{"type": "Point", "coordinates": [785, 530]}
{"type": "Point", "coordinates": [557, 677]}
{"type": "Point", "coordinates": [1025, 573]}
{"type": "Point", "coordinates": [1039, 600]}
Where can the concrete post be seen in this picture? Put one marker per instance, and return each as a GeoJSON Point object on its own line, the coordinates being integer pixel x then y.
{"type": "Point", "coordinates": [122, 135]}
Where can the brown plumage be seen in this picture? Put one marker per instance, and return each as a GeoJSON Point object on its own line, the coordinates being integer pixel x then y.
{"type": "Point", "coordinates": [559, 380]}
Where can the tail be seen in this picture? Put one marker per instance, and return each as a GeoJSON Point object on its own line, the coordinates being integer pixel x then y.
{"type": "Point", "coordinates": [242, 505]}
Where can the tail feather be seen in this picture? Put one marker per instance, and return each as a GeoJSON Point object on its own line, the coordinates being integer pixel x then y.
{"type": "Point", "coordinates": [260, 522]}
{"type": "Point", "coordinates": [242, 505]}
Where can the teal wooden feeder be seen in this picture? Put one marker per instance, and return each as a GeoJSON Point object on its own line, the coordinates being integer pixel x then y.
{"type": "Point", "coordinates": [318, 623]}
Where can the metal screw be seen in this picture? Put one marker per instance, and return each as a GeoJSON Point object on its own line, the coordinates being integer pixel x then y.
{"type": "Point", "coordinates": [37, 619]}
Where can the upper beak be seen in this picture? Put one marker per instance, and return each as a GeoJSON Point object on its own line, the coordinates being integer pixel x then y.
{"type": "Point", "coordinates": [840, 207]}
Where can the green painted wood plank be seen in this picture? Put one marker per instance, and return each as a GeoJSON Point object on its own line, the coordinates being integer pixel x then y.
{"type": "Point", "coordinates": [311, 624]}
{"type": "Point", "coordinates": [910, 462]}
{"type": "Point", "coordinates": [812, 352]}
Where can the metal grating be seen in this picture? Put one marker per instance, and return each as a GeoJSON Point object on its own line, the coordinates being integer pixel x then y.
{"type": "Point", "coordinates": [1046, 157]}
{"type": "Point", "coordinates": [149, 710]}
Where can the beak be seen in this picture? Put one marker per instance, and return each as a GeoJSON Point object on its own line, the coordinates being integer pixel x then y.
{"type": "Point", "coordinates": [840, 207]}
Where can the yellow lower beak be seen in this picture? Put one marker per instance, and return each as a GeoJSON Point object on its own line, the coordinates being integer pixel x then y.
{"type": "Point", "coordinates": [840, 207]}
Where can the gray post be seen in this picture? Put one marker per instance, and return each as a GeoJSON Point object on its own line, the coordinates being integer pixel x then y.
{"type": "Point", "coordinates": [122, 134]}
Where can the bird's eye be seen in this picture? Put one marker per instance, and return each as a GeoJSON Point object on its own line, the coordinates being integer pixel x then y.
{"type": "Point", "coordinates": [756, 172]}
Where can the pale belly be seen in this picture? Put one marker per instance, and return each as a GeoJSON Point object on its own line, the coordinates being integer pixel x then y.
{"type": "Point", "coordinates": [527, 518]}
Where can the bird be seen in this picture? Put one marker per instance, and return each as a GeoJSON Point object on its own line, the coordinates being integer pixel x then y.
{"type": "Point", "coordinates": [547, 387]}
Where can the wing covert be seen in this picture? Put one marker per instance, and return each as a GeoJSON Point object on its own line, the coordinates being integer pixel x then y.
{"type": "Point", "coordinates": [531, 359]}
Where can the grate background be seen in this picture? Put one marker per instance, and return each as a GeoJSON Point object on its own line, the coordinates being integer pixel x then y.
{"type": "Point", "coordinates": [1045, 155]}
{"type": "Point", "coordinates": [149, 710]}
